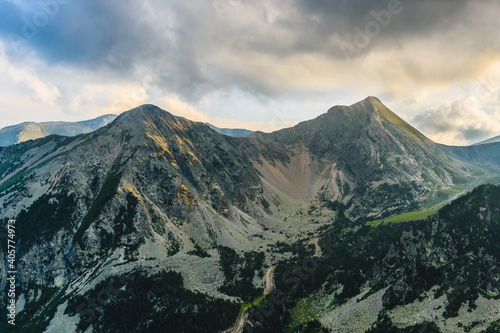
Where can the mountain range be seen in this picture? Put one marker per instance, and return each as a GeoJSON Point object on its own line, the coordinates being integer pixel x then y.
{"type": "Point", "coordinates": [30, 130]}
{"type": "Point", "coordinates": [491, 140]}
{"type": "Point", "coordinates": [189, 220]}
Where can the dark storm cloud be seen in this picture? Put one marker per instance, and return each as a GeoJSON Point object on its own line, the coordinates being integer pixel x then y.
{"type": "Point", "coordinates": [415, 19]}
{"type": "Point", "coordinates": [419, 16]}
{"type": "Point", "coordinates": [81, 33]}
{"type": "Point", "coordinates": [115, 37]}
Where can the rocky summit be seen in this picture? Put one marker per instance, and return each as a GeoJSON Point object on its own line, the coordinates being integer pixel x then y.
{"type": "Point", "coordinates": [350, 222]}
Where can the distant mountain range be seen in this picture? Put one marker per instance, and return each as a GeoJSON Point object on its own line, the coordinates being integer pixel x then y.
{"type": "Point", "coordinates": [30, 130]}
{"type": "Point", "coordinates": [15, 134]}
{"type": "Point", "coordinates": [191, 222]}
{"type": "Point", "coordinates": [234, 132]}
{"type": "Point", "coordinates": [492, 140]}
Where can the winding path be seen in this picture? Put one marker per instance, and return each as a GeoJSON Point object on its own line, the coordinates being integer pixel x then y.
{"type": "Point", "coordinates": [269, 280]}
{"type": "Point", "coordinates": [243, 315]}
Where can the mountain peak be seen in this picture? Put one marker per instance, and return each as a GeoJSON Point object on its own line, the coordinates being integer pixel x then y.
{"type": "Point", "coordinates": [372, 98]}
{"type": "Point", "coordinates": [145, 110]}
{"type": "Point", "coordinates": [144, 114]}
{"type": "Point", "coordinates": [375, 103]}
{"type": "Point", "coordinates": [366, 128]}
{"type": "Point", "coordinates": [369, 104]}
{"type": "Point", "coordinates": [353, 116]}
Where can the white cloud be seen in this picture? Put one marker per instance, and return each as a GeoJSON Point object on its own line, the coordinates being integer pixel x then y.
{"type": "Point", "coordinates": [27, 80]}
{"type": "Point", "coordinates": [174, 105]}
{"type": "Point", "coordinates": [458, 124]}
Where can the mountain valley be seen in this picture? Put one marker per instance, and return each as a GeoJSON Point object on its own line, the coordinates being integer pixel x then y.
{"type": "Point", "coordinates": [369, 227]}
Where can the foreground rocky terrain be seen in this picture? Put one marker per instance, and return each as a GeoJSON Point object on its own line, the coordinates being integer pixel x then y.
{"type": "Point", "coordinates": [167, 222]}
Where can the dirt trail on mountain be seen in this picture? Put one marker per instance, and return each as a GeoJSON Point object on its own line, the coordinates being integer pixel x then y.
{"type": "Point", "coordinates": [268, 287]}
{"type": "Point", "coordinates": [317, 248]}
{"type": "Point", "coordinates": [243, 315]}
{"type": "Point", "coordinates": [269, 280]}
{"type": "Point", "coordinates": [240, 322]}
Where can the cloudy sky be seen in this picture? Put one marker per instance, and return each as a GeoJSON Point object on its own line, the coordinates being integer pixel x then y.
{"type": "Point", "coordinates": [257, 64]}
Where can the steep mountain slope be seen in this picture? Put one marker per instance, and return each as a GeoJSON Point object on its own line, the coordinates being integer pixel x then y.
{"type": "Point", "coordinates": [364, 156]}
{"type": "Point", "coordinates": [30, 130]}
{"type": "Point", "coordinates": [168, 170]}
{"type": "Point", "coordinates": [149, 186]}
{"type": "Point", "coordinates": [234, 132]}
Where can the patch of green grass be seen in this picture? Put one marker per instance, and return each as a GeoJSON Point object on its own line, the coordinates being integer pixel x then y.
{"type": "Point", "coordinates": [253, 303]}
{"type": "Point", "coordinates": [438, 198]}
{"type": "Point", "coordinates": [405, 217]}
{"type": "Point", "coordinates": [438, 195]}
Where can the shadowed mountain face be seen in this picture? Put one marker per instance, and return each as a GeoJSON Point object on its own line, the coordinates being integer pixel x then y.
{"type": "Point", "coordinates": [29, 131]}
{"type": "Point", "coordinates": [154, 188]}
{"type": "Point", "coordinates": [147, 160]}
